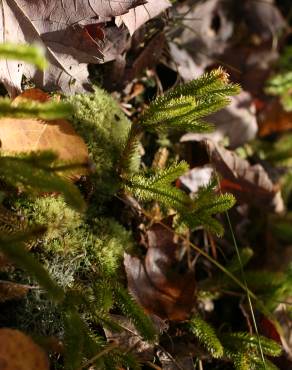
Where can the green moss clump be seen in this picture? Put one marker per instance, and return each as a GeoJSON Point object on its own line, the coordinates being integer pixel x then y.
{"type": "Point", "coordinates": [99, 241]}
{"type": "Point", "coordinates": [99, 120]}
{"type": "Point", "coordinates": [77, 252]}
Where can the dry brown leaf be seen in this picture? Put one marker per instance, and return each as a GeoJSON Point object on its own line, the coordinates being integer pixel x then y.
{"type": "Point", "coordinates": [135, 17]}
{"type": "Point", "coordinates": [62, 29]}
{"type": "Point", "coordinates": [162, 283]}
{"type": "Point", "coordinates": [274, 119]}
{"type": "Point", "coordinates": [19, 352]}
{"type": "Point", "coordinates": [9, 291]}
{"type": "Point", "coordinates": [129, 339]}
{"type": "Point", "coordinates": [249, 183]}
{"type": "Point", "coordinates": [25, 135]}
{"type": "Point", "coordinates": [4, 262]}
{"type": "Point", "coordinates": [148, 57]}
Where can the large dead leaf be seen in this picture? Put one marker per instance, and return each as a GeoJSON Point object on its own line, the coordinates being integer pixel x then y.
{"type": "Point", "coordinates": [249, 183]}
{"type": "Point", "coordinates": [19, 352]}
{"type": "Point", "coordinates": [26, 135]}
{"type": "Point", "coordinates": [65, 30]}
{"type": "Point", "coordinates": [162, 284]}
{"type": "Point", "coordinates": [141, 14]}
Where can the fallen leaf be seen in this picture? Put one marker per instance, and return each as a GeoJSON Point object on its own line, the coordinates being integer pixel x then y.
{"type": "Point", "coordinates": [60, 28]}
{"type": "Point", "coordinates": [19, 352]}
{"type": "Point", "coordinates": [196, 178]}
{"type": "Point", "coordinates": [10, 290]}
{"type": "Point", "coordinates": [182, 62]}
{"type": "Point", "coordinates": [130, 339]}
{"type": "Point", "coordinates": [162, 283]}
{"type": "Point", "coordinates": [264, 18]}
{"type": "Point", "coordinates": [178, 363]}
{"type": "Point", "coordinates": [148, 57]}
{"type": "Point", "coordinates": [249, 183]}
{"type": "Point", "coordinates": [205, 31]}
{"type": "Point", "coordinates": [274, 119]}
{"type": "Point", "coordinates": [26, 135]}
{"type": "Point", "coordinates": [135, 17]}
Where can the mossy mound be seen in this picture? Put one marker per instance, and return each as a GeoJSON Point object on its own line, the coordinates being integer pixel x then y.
{"type": "Point", "coordinates": [99, 120]}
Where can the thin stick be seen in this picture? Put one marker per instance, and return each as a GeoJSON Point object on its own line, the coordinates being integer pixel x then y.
{"type": "Point", "coordinates": [109, 348]}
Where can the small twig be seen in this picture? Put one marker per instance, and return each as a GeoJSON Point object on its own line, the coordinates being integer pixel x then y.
{"type": "Point", "coordinates": [109, 348]}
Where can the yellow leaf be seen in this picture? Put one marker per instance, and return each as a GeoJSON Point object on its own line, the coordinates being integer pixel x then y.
{"type": "Point", "coordinates": [26, 135]}
{"type": "Point", "coordinates": [19, 352]}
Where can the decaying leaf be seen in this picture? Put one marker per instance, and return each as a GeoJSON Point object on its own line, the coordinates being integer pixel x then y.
{"type": "Point", "coordinates": [162, 284]}
{"type": "Point", "coordinates": [249, 183]}
{"type": "Point", "coordinates": [9, 291]}
{"type": "Point", "coordinates": [196, 178]}
{"type": "Point", "coordinates": [141, 14]}
{"type": "Point", "coordinates": [170, 363]}
{"type": "Point", "coordinates": [18, 351]}
{"type": "Point", "coordinates": [264, 18]}
{"type": "Point", "coordinates": [274, 119]}
{"type": "Point", "coordinates": [130, 339]}
{"type": "Point", "coordinates": [206, 29]}
{"type": "Point", "coordinates": [61, 28]}
{"type": "Point", "coordinates": [26, 135]}
{"type": "Point", "coordinates": [148, 57]}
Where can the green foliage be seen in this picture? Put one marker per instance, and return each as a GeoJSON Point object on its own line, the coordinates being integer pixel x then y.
{"type": "Point", "coordinates": [60, 221]}
{"type": "Point", "coordinates": [129, 308]}
{"type": "Point", "coordinates": [193, 212]}
{"type": "Point", "coordinates": [205, 205]}
{"type": "Point", "coordinates": [281, 83]}
{"type": "Point", "coordinates": [248, 342]}
{"type": "Point", "coordinates": [206, 336]}
{"type": "Point", "coordinates": [245, 255]}
{"type": "Point", "coordinates": [270, 287]}
{"type": "Point", "coordinates": [243, 349]}
{"type": "Point", "coordinates": [37, 172]}
{"type": "Point", "coordinates": [158, 186]}
{"type": "Point", "coordinates": [183, 107]}
{"type": "Point", "coordinates": [12, 246]}
{"type": "Point", "coordinates": [27, 53]}
{"type": "Point", "coordinates": [32, 109]}
{"type": "Point", "coordinates": [74, 340]}
{"type": "Point", "coordinates": [99, 120]}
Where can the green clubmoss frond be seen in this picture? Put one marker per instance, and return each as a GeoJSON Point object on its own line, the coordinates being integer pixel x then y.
{"type": "Point", "coordinates": [135, 313]}
{"type": "Point", "coordinates": [27, 53]}
{"type": "Point", "coordinates": [206, 336]}
{"type": "Point", "coordinates": [244, 342]}
{"type": "Point", "coordinates": [182, 107]}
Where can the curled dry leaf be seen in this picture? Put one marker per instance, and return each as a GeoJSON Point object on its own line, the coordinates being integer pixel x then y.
{"type": "Point", "coordinates": [26, 135]}
{"type": "Point", "coordinates": [249, 183]}
{"type": "Point", "coordinates": [18, 351]}
{"type": "Point", "coordinates": [162, 284]}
